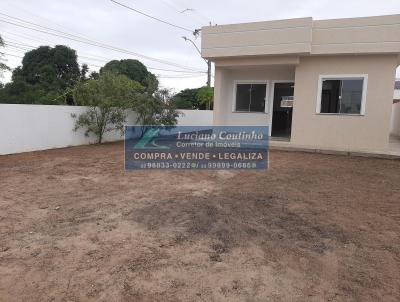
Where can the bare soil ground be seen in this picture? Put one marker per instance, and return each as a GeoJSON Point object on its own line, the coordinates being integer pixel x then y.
{"type": "Point", "coordinates": [74, 226]}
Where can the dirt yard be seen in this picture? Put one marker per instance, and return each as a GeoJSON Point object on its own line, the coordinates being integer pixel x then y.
{"type": "Point", "coordinates": [75, 227]}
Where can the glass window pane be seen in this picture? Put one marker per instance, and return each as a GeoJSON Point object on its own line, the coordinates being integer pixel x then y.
{"type": "Point", "coordinates": [351, 96]}
{"type": "Point", "coordinates": [257, 103]}
{"type": "Point", "coordinates": [330, 96]}
{"type": "Point", "coordinates": [243, 97]}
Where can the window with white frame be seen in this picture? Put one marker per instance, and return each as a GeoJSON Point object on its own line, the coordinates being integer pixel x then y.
{"type": "Point", "coordinates": [342, 94]}
{"type": "Point", "coordinates": [250, 97]}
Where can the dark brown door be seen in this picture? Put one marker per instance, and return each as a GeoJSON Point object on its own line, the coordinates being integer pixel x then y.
{"type": "Point", "coordinates": [282, 110]}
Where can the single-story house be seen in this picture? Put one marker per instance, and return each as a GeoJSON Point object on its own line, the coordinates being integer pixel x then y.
{"type": "Point", "coordinates": [320, 84]}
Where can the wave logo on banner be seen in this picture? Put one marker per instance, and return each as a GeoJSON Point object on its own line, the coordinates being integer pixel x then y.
{"type": "Point", "coordinates": [148, 140]}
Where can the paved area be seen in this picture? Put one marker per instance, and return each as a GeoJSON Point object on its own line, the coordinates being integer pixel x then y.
{"type": "Point", "coordinates": [394, 145]}
{"type": "Point", "coordinates": [393, 151]}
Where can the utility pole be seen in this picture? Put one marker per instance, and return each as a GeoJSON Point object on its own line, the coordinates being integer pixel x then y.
{"type": "Point", "coordinates": [209, 73]}
{"type": "Point", "coordinates": [208, 62]}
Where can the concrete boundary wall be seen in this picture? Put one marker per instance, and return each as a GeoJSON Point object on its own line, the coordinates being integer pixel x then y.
{"type": "Point", "coordinates": [26, 128]}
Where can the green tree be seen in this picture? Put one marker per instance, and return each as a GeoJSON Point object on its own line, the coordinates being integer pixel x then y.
{"type": "Point", "coordinates": [151, 83]}
{"type": "Point", "coordinates": [94, 75]}
{"type": "Point", "coordinates": [51, 66]}
{"type": "Point", "coordinates": [186, 99]}
{"type": "Point", "coordinates": [205, 96]}
{"type": "Point", "coordinates": [107, 100]}
{"type": "Point", "coordinates": [134, 70]}
{"type": "Point", "coordinates": [3, 66]}
{"type": "Point", "coordinates": [46, 73]}
{"type": "Point", "coordinates": [84, 72]}
{"type": "Point", "coordinates": [156, 109]}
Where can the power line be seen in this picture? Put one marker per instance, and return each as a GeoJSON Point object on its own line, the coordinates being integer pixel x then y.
{"type": "Point", "coordinates": [166, 76]}
{"type": "Point", "coordinates": [68, 36]}
{"type": "Point", "coordinates": [9, 54]}
{"type": "Point", "coordinates": [101, 45]}
{"type": "Point", "coordinates": [48, 28]}
{"type": "Point", "coordinates": [171, 5]}
{"type": "Point", "coordinates": [208, 62]}
{"type": "Point", "coordinates": [184, 8]}
{"type": "Point", "coordinates": [91, 65]}
{"type": "Point", "coordinates": [28, 47]}
{"type": "Point", "coordinates": [53, 43]}
{"type": "Point", "coordinates": [183, 76]}
{"type": "Point", "coordinates": [179, 76]}
{"type": "Point", "coordinates": [11, 44]}
{"type": "Point", "coordinates": [19, 8]}
{"type": "Point", "coordinates": [159, 75]}
{"type": "Point", "coordinates": [170, 70]}
{"type": "Point", "coordinates": [149, 16]}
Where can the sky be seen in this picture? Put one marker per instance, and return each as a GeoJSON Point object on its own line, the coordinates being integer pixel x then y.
{"type": "Point", "coordinates": [102, 21]}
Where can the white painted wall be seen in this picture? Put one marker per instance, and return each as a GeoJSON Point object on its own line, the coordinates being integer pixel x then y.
{"type": "Point", "coordinates": [195, 118]}
{"type": "Point", "coordinates": [395, 121]}
{"type": "Point", "coordinates": [38, 127]}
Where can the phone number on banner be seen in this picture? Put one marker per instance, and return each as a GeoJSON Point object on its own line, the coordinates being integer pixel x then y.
{"type": "Point", "coordinates": [196, 165]}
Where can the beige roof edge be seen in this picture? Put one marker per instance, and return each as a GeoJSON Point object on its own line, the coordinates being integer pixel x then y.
{"type": "Point", "coordinates": [300, 18]}
{"type": "Point", "coordinates": [217, 28]}
{"type": "Point", "coordinates": [387, 18]}
{"type": "Point", "coordinates": [361, 17]}
{"type": "Point", "coordinates": [304, 36]}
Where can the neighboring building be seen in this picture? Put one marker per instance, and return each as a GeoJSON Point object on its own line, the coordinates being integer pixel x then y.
{"type": "Point", "coordinates": [325, 84]}
{"type": "Point", "coordinates": [396, 95]}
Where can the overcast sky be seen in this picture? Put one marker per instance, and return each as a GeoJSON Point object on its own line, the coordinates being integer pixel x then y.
{"type": "Point", "coordinates": [105, 22]}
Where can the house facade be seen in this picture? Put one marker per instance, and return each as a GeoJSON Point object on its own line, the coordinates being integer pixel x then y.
{"type": "Point", "coordinates": [325, 84]}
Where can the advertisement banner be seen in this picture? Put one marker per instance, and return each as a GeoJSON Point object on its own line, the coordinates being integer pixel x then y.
{"type": "Point", "coordinates": [196, 147]}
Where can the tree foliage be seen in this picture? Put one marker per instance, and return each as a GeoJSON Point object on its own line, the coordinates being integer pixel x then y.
{"type": "Point", "coordinates": [186, 99]}
{"type": "Point", "coordinates": [196, 98]}
{"type": "Point", "coordinates": [156, 109]}
{"type": "Point", "coordinates": [3, 66]}
{"type": "Point", "coordinates": [111, 95]}
{"type": "Point", "coordinates": [107, 100]}
{"type": "Point", "coordinates": [135, 71]}
{"type": "Point", "coordinates": [46, 73]}
{"type": "Point", "coordinates": [84, 72]}
{"type": "Point", "coordinates": [205, 96]}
